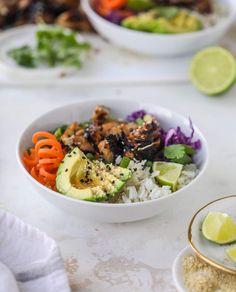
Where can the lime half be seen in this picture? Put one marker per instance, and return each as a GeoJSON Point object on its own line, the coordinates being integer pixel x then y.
{"type": "Point", "coordinates": [219, 228]}
{"type": "Point", "coordinates": [231, 252]}
{"type": "Point", "coordinates": [213, 70]}
{"type": "Point", "coordinates": [169, 173]}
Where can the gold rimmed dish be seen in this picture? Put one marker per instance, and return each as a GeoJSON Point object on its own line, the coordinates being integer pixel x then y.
{"type": "Point", "coordinates": [212, 253]}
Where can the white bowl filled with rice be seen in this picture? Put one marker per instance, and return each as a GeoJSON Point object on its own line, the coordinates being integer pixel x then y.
{"type": "Point", "coordinates": [102, 161]}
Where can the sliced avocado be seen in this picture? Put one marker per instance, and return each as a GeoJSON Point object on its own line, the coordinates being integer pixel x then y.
{"type": "Point", "coordinates": [119, 172]}
{"type": "Point", "coordinates": [177, 21]}
{"type": "Point", "coordinates": [80, 178]}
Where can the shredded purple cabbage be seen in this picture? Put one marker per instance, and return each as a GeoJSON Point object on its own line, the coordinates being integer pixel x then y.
{"type": "Point", "coordinates": [115, 17]}
{"type": "Point", "coordinates": [136, 115]}
{"type": "Point", "coordinates": [176, 136]}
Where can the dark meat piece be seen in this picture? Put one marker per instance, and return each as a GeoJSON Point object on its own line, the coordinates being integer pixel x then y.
{"type": "Point", "coordinates": [93, 135]}
{"type": "Point", "coordinates": [7, 11]}
{"type": "Point", "coordinates": [144, 134]}
{"type": "Point", "coordinates": [111, 128]}
{"type": "Point", "coordinates": [73, 19]}
{"type": "Point", "coordinates": [202, 6]}
{"type": "Point", "coordinates": [128, 128]}
{"type": "Point", "coordinates": [108, 139]}
{"type": "Point", "coordinates": [149, 151]}
{"type": "Point", "coordinates": [144, 141]}
{"type": "Point", "coordinates": [69, 131]}
{"type": "Point", "coordinates": [105, 151]}
{"type": "Point", "coordinates": [100, 115]}
{"type": "Point", "coordinates": [64, 12]}
{"type": "Point", "coordinates": [83, 143]}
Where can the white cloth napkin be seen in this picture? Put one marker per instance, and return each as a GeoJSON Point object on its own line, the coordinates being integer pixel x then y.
{"type": "Point", "coordinates": [29, 260]}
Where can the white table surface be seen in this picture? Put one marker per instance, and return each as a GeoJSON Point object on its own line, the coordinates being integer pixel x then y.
{"type": "Point", "coordinates": [119, 257]}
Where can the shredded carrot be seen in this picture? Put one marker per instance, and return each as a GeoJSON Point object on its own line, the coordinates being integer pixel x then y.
{"type": "Point", "coordinates": [104, 7]}
{"type": "Point", "coordinates": [42, 134]}
{"type": "Point", "coordinates": [115, 4]}
{"type": "Point", "coordinates": [43, 160]}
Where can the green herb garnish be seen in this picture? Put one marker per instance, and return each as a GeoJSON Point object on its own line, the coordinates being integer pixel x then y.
{"type": "Point", "coordinates": [55, 46]}
{"type": "Point", "coordinates": [179, 153]}
{"type": "Point", "coordinates": [24, 56]}
{"type": "Point", "coordinates": [59, 131]}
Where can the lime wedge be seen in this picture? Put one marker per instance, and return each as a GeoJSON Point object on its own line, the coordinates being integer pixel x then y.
{"type": "Point", "coordinates": [168, 173]}
{"type": "Point", "coordinates": [213, 70]}
{"type": "Point", "coordinates": [231, 252]}
{"type": "Point", "coordinates": [219, 228]}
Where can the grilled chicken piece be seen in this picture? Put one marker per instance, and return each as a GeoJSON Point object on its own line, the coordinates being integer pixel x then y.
{"type": "Point", "coordinates": [70, 130]}
{"type": "Point", "coordinates": [83, 143]}
{"type": "Point", "coordinates": [100, 115]}
{"type": "Point", "coordinates": [145, 134]}
{"type": "Point", "coordinates": [74, 19]}
{"type": "Point", "coordinates": [105, 151]}
{"type": "Point", "coordinates": [129, 127]}
{"type": "Point", "coordinates": [111, 128]}
{"type": "Point", "coordinates": [149, 151]}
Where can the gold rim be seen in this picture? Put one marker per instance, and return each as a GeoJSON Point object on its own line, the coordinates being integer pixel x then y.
{"type": "Point", "coordinates": [200, 255]}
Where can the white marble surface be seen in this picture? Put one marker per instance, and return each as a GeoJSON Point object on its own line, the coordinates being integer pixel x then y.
{"type": "Point", "coordinates": [120, 257]}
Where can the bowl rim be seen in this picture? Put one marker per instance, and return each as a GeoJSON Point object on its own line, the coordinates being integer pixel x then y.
{"type": "Point", "coordinates": [101, 204]}
{"type": "Point", "coordinates": [86, 5]}
{"type": "Point", "coordinates": [176, 272]}
{"type": "Point", "coordinates": [205, 258]}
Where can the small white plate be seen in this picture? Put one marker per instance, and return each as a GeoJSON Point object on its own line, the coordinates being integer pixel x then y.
{"type": "Point", "coordinates": [177, 268]}
{"type": "Point", "coordinates": [104, 64]}
{"type": "Point", "coordinates": [212, 253]}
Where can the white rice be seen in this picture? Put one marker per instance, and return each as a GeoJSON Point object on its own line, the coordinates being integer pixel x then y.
{"type": "Point", "coordinates": [142, 186]}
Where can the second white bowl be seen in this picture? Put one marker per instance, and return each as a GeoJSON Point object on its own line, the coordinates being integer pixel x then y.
{"type": "Point", "coordinates": [157, 44]}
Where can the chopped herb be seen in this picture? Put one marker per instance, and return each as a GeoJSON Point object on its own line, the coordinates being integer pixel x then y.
{"type": "Point", "coordinates": [179, 153]}
{"type": "Point", "coordinates": [23, 56]}
{"type": "Point", "coordinates": [55, 46]}
{"type": "Point", "coordinates": [149, 164]}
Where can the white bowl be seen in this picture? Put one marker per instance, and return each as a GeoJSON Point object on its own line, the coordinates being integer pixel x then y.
{"type": "Point", "coordinates": [105, 212]}
{"type": "Point", "coordinates": [157, 44]}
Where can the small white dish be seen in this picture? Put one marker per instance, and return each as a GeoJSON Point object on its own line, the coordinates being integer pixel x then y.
{"type": "Point", "coordinates": [107, 212]}
{"type": "Point", "coordinates": [103, 64]}
{"type": "Point", "coordinates": [160, 44]}
{"type": "Point", "coordinates": [25, 35]}
{"type": "Point", "coordinates": [212, 253]}
{"type": "Point", "coordinates": [177, 268]}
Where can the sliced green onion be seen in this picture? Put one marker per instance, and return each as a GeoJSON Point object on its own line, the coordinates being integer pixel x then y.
{"type": "Point", "coordinates": [59, 131]}
{"type": "Point", "coordinates": [85, 124]}
{"type": "Point", "coordinates": [139, 121]}
{"type": "Point", "coordinates": [149, 164]}
{"type": "Point", "coordinates": [90, 156]}
{"type": "Point", "coordinates": [124, 162]}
